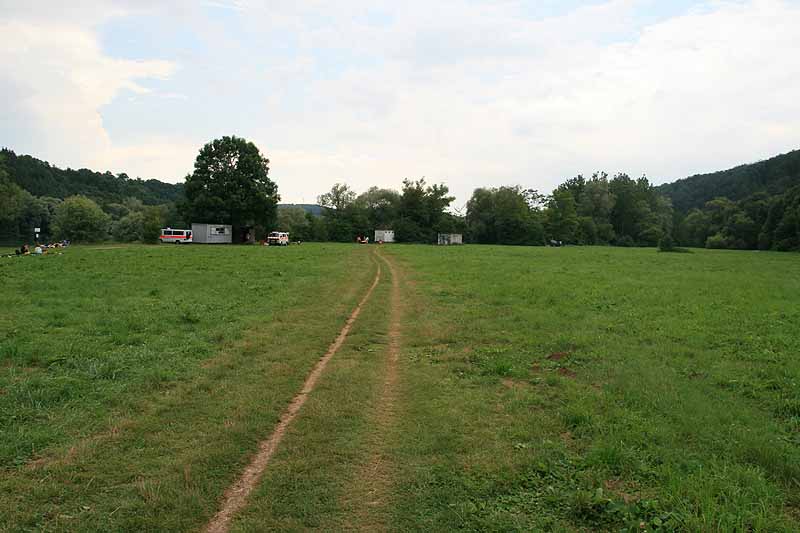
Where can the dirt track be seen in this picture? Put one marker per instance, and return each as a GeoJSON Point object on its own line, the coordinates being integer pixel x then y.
{"type": "Point", "coordinates": [374, 478]}
{"type": "Point", "coordinates": [235, 496]}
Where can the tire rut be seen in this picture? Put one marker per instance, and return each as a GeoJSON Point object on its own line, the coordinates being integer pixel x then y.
{"type": "Point", "coordinates": [374, 478]}
{"type": "Point", "coordinates": [235, 497]}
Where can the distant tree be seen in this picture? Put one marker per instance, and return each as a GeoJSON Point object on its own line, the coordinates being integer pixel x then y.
{"type": "Point", "coordinates": [317, 228]}
{"type": "Point", "coordinates": [80, 219]}
{"type": "Point", "coordinates": [505, 215]}
{"type": "Point", "coordinates": [421, 211]}
{"type": "Point", "coordinates": [666, 244]}
{"type": "Point", "coordinates": [562, 217]}
{"type": "Point", "coordinates": [230, 185]}
{"type": "Point", "coordinates": [339, 197]}
{"type": "Point", "coordinates": [587, 231]}
{"type": "Point", "coordinates": [380, 205]}
{"type": "Point", "coordinates": [717, 241]}
{"type": "Point", "coordinates": [152, 222]}
{"type": "Point", "coordinates": [128, 228]}
{"type": "Point", "coordinates": [42, 179]}
{"type": "Point", "coordinates": [12, 202]}
{"type": "Point", "coordinates": [594, 206]}
{"type": "Point", "coordinates": [575, 186]}
{"type": "Point", "coordinates": [697, 228]}
{"type": "Point", "coordinates": [640, 215]}
{"type": "Point", "coordinates": [293, 220]}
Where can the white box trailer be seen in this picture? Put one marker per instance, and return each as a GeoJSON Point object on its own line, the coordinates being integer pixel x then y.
{"type": "Point", "coordinates": [384, 235]}
{"type": "Point", "coordinates": [212, 233]}
{"type": "Point", "coordinates": [446, 239]}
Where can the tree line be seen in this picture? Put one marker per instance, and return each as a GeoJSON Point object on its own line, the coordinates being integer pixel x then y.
{"type": "Point", "coordinates": [80, 205]}
{"type": "Point", "coordinates": [758, 222]}
{"type": "Point", "coordinates": [748, 207]}
{"type": "Point", "coordinates": [620, 211]}
{"type": "Point", "coordinates": [230, 185]}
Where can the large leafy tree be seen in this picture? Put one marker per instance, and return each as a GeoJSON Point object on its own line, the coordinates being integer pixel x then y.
{"type": "Point", "coordinates": [342, 216]}
{"type": "Point", "coordinates": [506, 215]}
{"type": "Point", "coordinates": [230, 185]}
{"type": "Point", "coordinates": [562, 217]}
{"type": "Point", "coordinates": [80, 219]}
{"type": "Point", "coordinates": [421, 211]}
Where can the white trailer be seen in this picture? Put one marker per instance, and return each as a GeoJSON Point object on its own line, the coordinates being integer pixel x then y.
{"type": "Point", "coordinates": [446, 239]}
{"type": "Point", "coordinates": [384, 235]}
{"type": "Point", "coordinates": [212, 233]}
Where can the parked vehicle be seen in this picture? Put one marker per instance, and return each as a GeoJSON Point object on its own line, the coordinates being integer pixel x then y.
{"type": "Point", "coordinates": [178, 236]}
{"type": "Point", "coordinates": [278, 238]}
{"type": "Point", "coordinates": [212, 233]}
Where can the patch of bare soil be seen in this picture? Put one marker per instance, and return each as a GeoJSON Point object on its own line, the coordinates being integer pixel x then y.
{"type": "Point", "coordinates": [558, 356]}
{"type": "Point", "coordinates": [567, 372]}
{"type": "Point", "coordinates": [621, 489]}
{"type": "Point", "coordinates": [374, 478]}
{"type": "Point", "coordinates": [514, 383]}
{"type": "Point", "coordinates": [236, 495]}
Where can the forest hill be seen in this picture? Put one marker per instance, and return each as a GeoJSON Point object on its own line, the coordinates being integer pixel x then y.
{"type": "Point", "coordinates": [600, 210]}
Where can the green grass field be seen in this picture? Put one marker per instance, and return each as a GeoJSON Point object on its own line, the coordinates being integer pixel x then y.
{"type": "Point", "coordinates": [535, 389]}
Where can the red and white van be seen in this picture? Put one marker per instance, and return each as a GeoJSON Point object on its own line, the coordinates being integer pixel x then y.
{"type": "Point", "coordinates": [278, 238]}
{"type": "Point", "coordinates": [177, 236]}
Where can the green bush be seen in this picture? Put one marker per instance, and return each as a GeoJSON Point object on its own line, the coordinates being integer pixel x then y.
{"type": "Point", "coordinates": [666, 243]}
{"type": "Point", "coordinates": [717, 242]}
{"type": "Point", "coordinates": [80, 219]}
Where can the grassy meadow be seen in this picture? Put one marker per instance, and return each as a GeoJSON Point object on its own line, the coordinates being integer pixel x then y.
{"type": "Point", "coordinates": [136, 380]}
{"type": "Point", "coordinates": [538, 389]}
{"type": "Point", "coordinates": [602, 389]}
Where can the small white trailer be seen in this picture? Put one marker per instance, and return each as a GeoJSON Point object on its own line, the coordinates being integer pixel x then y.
{"type": "Point", "coordinates": [384, 235]}
{"type": "Point", "coordinates": [446, 239]}
{"type": "Point", "coordinates": [212, 233]}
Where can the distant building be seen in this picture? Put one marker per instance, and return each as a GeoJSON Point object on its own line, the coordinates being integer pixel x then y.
{"type": "Point", "coordinates": [212, 233]}
{"type": "Point", "coordinates": [446, 239]}
{"type": "Point", "coordinates": [384, 235]}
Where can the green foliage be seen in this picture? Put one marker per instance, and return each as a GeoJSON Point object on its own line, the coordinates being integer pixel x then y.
{"type": "Point", "coordinates": [748, 207]}
{"type": "Point", "coordinates": [619, 211]}
{"type": "Point", "coordinates": [293, 220]}
{"type": "Point", "coordinates": [562, 217]}
{"type": "Point", "coordinates": [153, 220]}
{"type": "Point", "coordinates": [42, 179]}
{"type": "Point", "coordinates": [339, 197]}
{"type": "Point", "coordinates": [12, 198]}
{"type": "Point", "coordinates": [421, 211]}
{"type": "Point", "coordinates": [505, 215]}
{"type": "Point", "coordinates": [759, 221]}
{"type": "Point", "coordinates": [416, 214]}
{"type": "Point", "coordinates": [80, 219]}
{"type": "Point", "coordinates": [128, 228]}
{"type": "Point", "coordinates": [771, 177]}
{"type": "Point", "coordinates": [666, 243]}
{"type": "Point", "coordinates": [230, 185]}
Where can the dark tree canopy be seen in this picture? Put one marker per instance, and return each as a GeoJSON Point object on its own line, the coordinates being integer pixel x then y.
{"type": "Point", "coordinates": [230, 185]}
{"type": "Point", "coordinates": [43, 179]}
{"type": "Point", "coordinates": [505, 215]}
{"type": "Point", "coordinates": [748, 207]}
{"type": "Point", "coordinates": [772, 176]}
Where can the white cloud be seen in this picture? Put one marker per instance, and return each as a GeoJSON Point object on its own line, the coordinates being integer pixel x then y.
{"type": "Point", "coordinates": [700, 92]}
{"type": "Point", "coordinates": [61, 80]}
{"type": "Point", "coordinates": [466, 93]}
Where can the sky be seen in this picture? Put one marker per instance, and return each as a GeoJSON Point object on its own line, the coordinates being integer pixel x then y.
{"type": "Point", "coordinates": [465, 92]}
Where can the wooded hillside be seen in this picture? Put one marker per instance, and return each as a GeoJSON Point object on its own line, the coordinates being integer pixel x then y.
{"type": "Point", "coordinates": [42, 179]}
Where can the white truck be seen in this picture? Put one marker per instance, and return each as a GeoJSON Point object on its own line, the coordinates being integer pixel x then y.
{"type": "Point", "coordinates": [278, 238]}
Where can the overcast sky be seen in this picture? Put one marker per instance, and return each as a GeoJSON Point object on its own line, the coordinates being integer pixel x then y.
{"type": "Point", "coordinates": [465, 92]}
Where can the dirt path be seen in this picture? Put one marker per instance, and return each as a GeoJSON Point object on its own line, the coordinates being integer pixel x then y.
{"type": "Point", "coordinates": [235, 496]}
{"type": "Point", "coordinates": [374, 478]}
